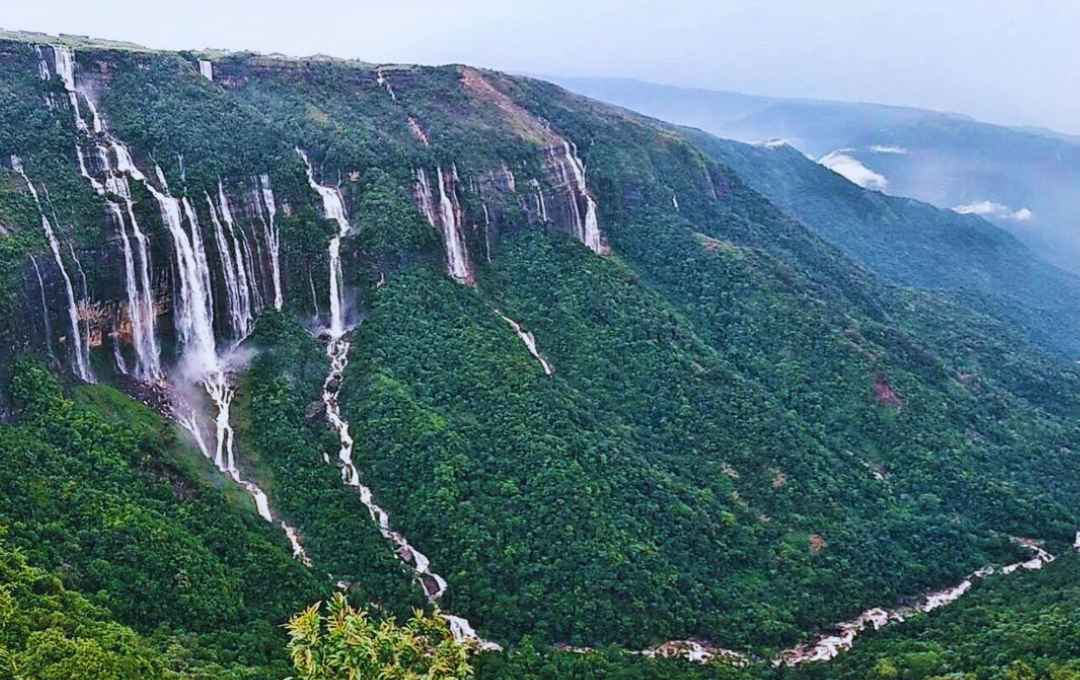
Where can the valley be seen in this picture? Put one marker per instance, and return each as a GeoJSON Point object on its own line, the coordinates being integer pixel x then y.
{"type": "Point", "coordinates": [605, 396]}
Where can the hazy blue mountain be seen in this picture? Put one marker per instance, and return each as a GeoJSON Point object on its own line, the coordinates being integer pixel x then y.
{"type": "Point", "coordinates": [913, 243]}
{"type": "Point", "coordinates": [1026, 180]}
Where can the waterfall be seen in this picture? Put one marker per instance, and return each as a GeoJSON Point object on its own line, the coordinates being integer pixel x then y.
{"type": "Point", "coordinates": [333, 209]}
{"type": "Point", "coordinates": [206, 69]}
{"type": "Point", "coordinates": [84, 302]}
{"type": "Point", "coordinates": [44, 308]}
{"type": "Point", "coordinates": [43, 66]}
{"type": "Point", "coordinates": [140, 302]}
{"type": "Point", "coordinates": [65, 68]}
{"type": "Point", "coordinates": [462, 631]}
{"type": "Point", "coordinates": [589, 228]}
{"type": "Point", "coordinates": [541, 207]}
{"type": "Point", "coordinates": [487, 231]}
{"type": "Point", "coordinates": [233, 273]}
{"type": "Point", "coordinates": [137, 275]}
{"type": "Point", "coordinates": [248, 286]}
{"type": "Point", "coordinates": [200, 255]}
{"type": "Point", "coordinates": [432, 584]}
{"type": "Point", "coordinates": [457, 259]}
{"type": "Point", "coordinates": [273, 236]}
{"type": "Point", "coordinates": [80, 350]}
{"type": "Point", "coordinates": [384, 82]}
{"type": "Point", "coordinates": [530, 342]}
{"type": "Point", "coordinates": [424, 197]}
{"type": "Point", "coordinates": [192, 306]}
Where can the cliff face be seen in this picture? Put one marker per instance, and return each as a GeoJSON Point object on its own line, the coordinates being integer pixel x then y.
{"type": "Point", "coordinates": [588, 350]}
{"type": "Point", "coordinates": [112, 130]}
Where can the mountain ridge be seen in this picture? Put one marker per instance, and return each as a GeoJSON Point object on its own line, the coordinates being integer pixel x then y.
{"type": "Point", "coordinates": [741, 426]}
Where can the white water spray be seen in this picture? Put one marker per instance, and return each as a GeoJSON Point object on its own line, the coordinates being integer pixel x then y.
{"type": "Point", "coordinates": [589, 227]}
{"type": "Point", "coordinates": [333, 209]}
{"type": "Point", "coordinates": [530, 342]}
{"type": "Point", "coordinates": [81, 366]}
{"type": "Point", "coordinates": [206, 69]}
{"type": "Point", "coordinates": [433, 585]}
{"type": "Point", "coordinates": [140, 302]}
{"type": "Point", "coordinates": [831, 645]}
{"type": "Point", "coordinates": [457, 259]}
{"type": "Point", "coordinates": [44, 307]}
{"type": "Point", "coordinates": [273, 237]}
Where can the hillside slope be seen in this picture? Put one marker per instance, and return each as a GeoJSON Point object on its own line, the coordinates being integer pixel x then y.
{"type": "Point", "coordinates": [1022, 179]}
{"type": "Point", "coordinates": [915, 244]}
{"type": "Point", "coordinates": [470, 339]}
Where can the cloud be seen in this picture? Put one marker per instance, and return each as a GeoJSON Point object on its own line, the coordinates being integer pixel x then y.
{"type": "Point", "coordinates": [995, 210]}
{"type": "Point", "coordinates": [899, 150]}
{"type": "Point", "coordinates": [774, 143]}
{"type": "Point", "coordinates": [843, 164]}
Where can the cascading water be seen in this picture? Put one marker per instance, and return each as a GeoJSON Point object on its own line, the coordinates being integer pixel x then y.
{"type": "Point", "coordinates": [829, 646]}
{"type": "Point", "coordinates": [432, 584]}
{"type": "Point", "coordinates": [541, 207]}
{"type": "Point", "coordinates": [193, 307]}
{"type": "Point", "coordinates": [200, 253]}
{"type": "Point", "coordinates": [235, 291]}
{"type": "Point", "coordinates": [43, 66]}
{"type": "Point", "coordinates": [530, 342]}
{"type": "Point", "coordinates": [81, 365]}
{"type": "Point", "coordinates": [384, 82]}
{"type": "Point", "coordinates": [457, 259]}
{"type": "Point", "coordinates": [337, 351]}
{"type": "Point", "coordinates": [44, 308]}
{"type": "Point", "coordinates": [206, 69]}
{"type": "Point", "coordinates": [424, 197]}
{"type": "Point", "coordinates": [137, 280]}
{"type": "Point", "coordinates": [333, 209]}
{"type": "Point", "coordinates": [589, 227]}
{"type": "Point", "coordinates": [273, 236]}
{"type": "Point", "coordinates": [245, 273]}
{"type": "Point", "coordinates": [84, 302]}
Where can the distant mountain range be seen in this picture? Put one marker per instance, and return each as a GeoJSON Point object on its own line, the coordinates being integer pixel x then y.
{"type": "Point", "coordinates": [1024, 179]}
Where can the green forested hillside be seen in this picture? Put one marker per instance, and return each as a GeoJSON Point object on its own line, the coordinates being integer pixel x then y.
{"type": "Point", "coordinates": [745, 436]}
{"type": "Point", "coordinates": [915, 244]}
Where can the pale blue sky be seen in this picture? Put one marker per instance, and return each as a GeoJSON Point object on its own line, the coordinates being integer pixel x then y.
{"type": "Point", "coordinates": [1007, 61]}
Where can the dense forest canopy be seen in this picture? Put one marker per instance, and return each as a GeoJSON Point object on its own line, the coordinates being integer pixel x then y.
{"type": "Point", "coordinates": [397, 338]}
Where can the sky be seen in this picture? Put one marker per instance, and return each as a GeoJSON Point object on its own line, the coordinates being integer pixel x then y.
{"type": "Point", "coordinates": [1012, 62]}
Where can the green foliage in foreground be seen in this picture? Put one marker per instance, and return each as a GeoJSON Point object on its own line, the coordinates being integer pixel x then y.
{"type": "Point", "coordinates": [98, 489]}
{"type": "Point", "coordinates": [48, 632]}
{"type": "Point", "coordinates": [348, 644]}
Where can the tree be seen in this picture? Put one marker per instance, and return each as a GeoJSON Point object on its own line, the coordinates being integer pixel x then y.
{"type": "Point", "coordinates": [348, 644]}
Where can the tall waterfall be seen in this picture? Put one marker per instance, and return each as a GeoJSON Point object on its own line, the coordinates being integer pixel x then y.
{"type": "Point", "coordinates": [206, 68]}
{"type": "Point", "coordinates": [83, 303]}
{"type": "Point", "coordinates": [457, 259]}
{"type": "Point", "coordinates": [273, 236]}
{"type": "Point", "coordinates": [424, 197]}
{"type": "Point", "coordinates": [81, 366]}
{"type": "Point", "coordinates": [588, 227]}
{"type": "Point", "coordinates": [118, 200]}
{"type": "Point", "coordinates": [334, 209]}
{"type": "Point", "coordinates": [193, 302]}
{"type": "Point", "coordinates": [233, 269]}
{"type": "Point", "coordinates": [43, 66]}
{"type": "Point", "coordinates": [44, 307]}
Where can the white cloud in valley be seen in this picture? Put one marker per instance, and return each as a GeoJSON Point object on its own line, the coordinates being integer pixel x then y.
{"type": "Point", "coordinates": [896, 150]}
{"type": "Point", "coordinates": [998, 211]}
{"type": "Point", "coordinates": [843, 163]}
